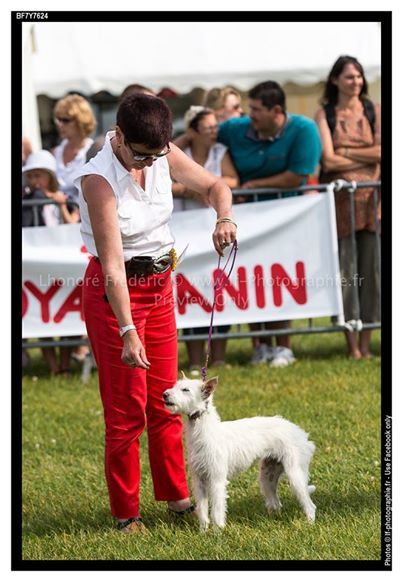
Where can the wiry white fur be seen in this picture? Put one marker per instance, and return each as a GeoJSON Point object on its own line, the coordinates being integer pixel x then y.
{"type": "Point", "coordinates": [218, 450]}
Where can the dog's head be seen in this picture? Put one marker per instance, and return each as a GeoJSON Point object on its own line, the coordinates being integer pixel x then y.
{"type": "Point", "coordinates": [189, 396]}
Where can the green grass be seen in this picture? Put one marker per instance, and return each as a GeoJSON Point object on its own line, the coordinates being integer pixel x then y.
{"type": "Point", "coordinates": [65, 506]}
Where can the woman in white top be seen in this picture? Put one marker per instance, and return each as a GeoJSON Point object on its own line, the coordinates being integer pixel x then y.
{"type": "Point", "coordinates": [75, 123]}
{"type": "Point", "coordinates": [201, 130]}
{"type": "Point", "coordinates": [126, 204]}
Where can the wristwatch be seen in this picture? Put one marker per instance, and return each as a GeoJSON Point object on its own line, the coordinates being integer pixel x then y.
{"type": "Point", "coordinates": [125, 328]}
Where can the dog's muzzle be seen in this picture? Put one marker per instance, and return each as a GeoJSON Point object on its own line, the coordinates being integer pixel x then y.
{"type": "Point", "coordinates": [165, 398]}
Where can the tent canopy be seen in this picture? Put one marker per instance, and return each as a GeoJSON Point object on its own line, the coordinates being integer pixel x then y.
{"type": "Point", "coordinates": [92, 57]}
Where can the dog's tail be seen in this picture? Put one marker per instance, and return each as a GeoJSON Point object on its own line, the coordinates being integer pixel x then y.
{"type": "Point", "coordinates": [311, 488]}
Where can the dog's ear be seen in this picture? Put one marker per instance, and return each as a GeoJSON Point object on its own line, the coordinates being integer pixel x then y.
{"type": "Point", "coordinates": [209, 386]}
{"type": "Point", "coordinates": [183, 375]}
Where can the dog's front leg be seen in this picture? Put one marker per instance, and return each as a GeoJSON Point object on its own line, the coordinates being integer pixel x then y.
{"type": "Point", "coordinates": [200, 493]}
{"type": "Point", "coordinates": [218, 495]}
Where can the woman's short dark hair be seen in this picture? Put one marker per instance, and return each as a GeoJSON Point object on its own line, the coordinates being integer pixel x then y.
{"type": "Point", "coordinates": [270, 94]}
{"type": "Point", "coordinates": [145, 119]}
{"type": "Point", "coordinates": [331, 92]}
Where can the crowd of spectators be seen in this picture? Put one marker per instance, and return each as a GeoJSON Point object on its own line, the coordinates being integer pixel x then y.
{"type": "Point", "coordinates": [268, 148]}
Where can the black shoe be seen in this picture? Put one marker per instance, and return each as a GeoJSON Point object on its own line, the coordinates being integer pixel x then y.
{"type": "Point", "coordinates": [132, 525]}
{"type": "Point", "coordinates": [183, 512]}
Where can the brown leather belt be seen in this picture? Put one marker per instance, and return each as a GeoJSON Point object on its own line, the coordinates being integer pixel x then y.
{"type": "Point", "coordinates": [145, 265]}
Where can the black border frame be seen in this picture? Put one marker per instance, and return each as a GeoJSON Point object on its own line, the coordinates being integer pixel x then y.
{"type": "Point", "coordinates": [385, 18]}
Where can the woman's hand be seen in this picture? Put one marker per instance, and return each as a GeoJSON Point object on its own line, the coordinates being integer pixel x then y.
{"type": "Point", "coordinates": [223, 235]}
{"type": "Point", "coordinates": [58, 197]}
{"type": "Point", "coordinates": [133, 353]}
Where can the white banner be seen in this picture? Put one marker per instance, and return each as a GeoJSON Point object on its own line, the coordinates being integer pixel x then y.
{"type": "Point", "coordinates": [286, 268]}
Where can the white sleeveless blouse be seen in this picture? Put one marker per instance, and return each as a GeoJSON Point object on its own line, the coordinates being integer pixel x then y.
{"type": "Point", "coordinates": [143, 215]}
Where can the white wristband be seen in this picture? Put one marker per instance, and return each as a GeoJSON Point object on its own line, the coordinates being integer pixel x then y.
{"type": "Point", "coordinates": [125, 329]}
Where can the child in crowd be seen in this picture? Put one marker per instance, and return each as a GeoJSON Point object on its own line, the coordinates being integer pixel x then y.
{"type": "Point", "coordinates": [40, 183]}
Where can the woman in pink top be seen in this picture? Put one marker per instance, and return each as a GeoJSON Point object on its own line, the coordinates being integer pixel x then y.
{"type": "Point", "coordinates": [350, 129]}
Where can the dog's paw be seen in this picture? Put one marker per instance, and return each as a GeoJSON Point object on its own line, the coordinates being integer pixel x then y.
{"type": "Point", "coordinates": [218, 527]}
{"type": "Point", "coordinates": [273, 506]}
{"type": "Point", "coordinates": [310, 514]}
{"type": "Point", "coordinates": [203, 526]}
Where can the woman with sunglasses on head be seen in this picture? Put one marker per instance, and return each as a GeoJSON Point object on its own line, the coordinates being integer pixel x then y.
{"type": "Point", "coordinates": [225, 102]}
{"type": "Point", "coordinates": [75, 122]}
{"type": "Point", "coordinates": [126, 204]}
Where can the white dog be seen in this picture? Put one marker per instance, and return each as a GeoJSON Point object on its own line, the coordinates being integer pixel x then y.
{"type": "Point", "coordinates": [218, 450]}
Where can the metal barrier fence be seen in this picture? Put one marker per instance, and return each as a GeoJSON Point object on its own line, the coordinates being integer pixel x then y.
{"type": "Point", "coordinates": [238, 331]}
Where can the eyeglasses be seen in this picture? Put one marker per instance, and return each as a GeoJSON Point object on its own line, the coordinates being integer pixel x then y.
{"type": "Point", "coordinates": [208, 129]}
{"type": "Point", "coordinates": [139, 157]}
{"type": "Point", "coordinates": [63, 120]}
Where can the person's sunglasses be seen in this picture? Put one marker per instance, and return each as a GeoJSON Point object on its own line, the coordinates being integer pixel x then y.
{"type": "Point", "coordinates": [139, 157]}
{"type": "Point", "coordinates": [63, 120]}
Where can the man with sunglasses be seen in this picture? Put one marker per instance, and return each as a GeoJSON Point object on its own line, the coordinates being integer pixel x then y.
{"type": "Point", "coordinates": [126, 203]}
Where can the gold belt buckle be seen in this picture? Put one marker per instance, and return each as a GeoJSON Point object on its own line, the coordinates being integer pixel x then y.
{"type": "Point", "coordinates": [174, 258]}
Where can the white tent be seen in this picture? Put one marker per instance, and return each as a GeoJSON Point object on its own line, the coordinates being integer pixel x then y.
{"type": "Point", "coordinates": [30, 121]}
{"type": "Point", "coordinates": [90, 57]}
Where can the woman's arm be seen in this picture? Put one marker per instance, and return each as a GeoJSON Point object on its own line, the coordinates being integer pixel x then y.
{"type": "Point", "coordinates": [285, 179]}
{"type": "Point", "coordinates": [67, 216]}
{"type": "Point", "coordinates": [228, 172]}
{"type": "Point", "coordinates": [213, 190]}
{"type": "Point", "coordinates": [183, 141]}
{"type": "Point", "coordinates": [368, 155]}
{"type": "Point", "coordinates": [331, 161]}
{"type": "Point", "coordinates": [101, 204]}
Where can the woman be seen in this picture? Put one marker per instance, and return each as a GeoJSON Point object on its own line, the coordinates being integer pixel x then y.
{"type": "Point", "coordinates": [125, 204]}
{"type": "Point", "coordinates": [225, 102]}
{"type": "Point", "coordinates": [351, 139]}
{"type": "Point", "coordinates": [75, 123]}
{"type": "Point", "coordinates": [202, 129]}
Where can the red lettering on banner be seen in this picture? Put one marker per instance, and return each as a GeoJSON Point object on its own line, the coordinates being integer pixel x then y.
{"type": "Point", "coordinates": [296, 289]}
{"type": "Point", "coordinates": [187, 294]}
{"type": "Point", "coordinates": [239, 296]}
{"type": "Point", "coordinates": [25, 303]}
{"type": "Point", "coordinates": [72, 303]}
{"type": "Point", "coordinates": [259, 286]}
{"type": "Point", "coordinates": [44, 298]}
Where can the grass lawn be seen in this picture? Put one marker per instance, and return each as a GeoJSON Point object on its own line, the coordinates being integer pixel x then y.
{"type": "Point", "coordinates": [65, 504]}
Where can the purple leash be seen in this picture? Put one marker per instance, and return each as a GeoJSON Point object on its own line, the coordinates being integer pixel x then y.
{"type": "Point", "coordinates": [218, 285]}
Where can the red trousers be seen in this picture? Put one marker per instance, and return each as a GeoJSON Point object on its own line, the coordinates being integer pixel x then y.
{"type": "Point", "coordinates": [132, 397]}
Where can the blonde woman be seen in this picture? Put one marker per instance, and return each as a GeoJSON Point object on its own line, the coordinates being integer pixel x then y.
{"type": "Point", "coordinates": [225, 102]}
{"type": "Point", "coordinates": [75, 122]}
